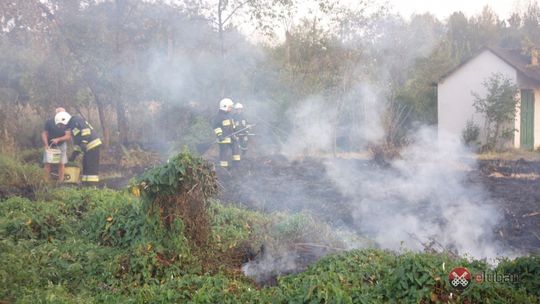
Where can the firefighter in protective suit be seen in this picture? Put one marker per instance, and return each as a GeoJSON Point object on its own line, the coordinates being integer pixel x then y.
{"type": "Point", "coordinates": [223, 128]}
{"type": "Point", "coordinates": [240, 123]}
{"type": "Point", "coordinates": [86, 141]}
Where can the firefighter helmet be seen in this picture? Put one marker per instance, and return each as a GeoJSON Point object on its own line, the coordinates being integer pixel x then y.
{"type": "Point", "coordinates": [225, 104]}
{"type": "Point", "coordinates": [238, 106]}
{"type": "Point", "coordinates": [62, 118]}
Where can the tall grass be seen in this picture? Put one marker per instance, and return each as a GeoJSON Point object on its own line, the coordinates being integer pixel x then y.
{"type": "Point", "coordinates": [19, 179]}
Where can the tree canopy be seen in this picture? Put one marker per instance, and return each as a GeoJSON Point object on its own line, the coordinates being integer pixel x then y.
{"type": "Point", "coordinates": [128, 65]}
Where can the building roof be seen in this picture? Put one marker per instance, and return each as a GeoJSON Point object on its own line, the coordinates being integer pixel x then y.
{"type": "Point", "coordinates": [513, 57]}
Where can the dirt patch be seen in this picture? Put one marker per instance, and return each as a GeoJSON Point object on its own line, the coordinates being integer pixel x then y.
{"type": "Point", "coordinates": [273, 183]}
{"type": "Point", "coordinates": [515, 188]}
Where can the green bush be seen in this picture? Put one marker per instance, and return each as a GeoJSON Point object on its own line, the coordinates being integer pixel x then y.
{"type": "Point", "coordinates": [31, 156]}
{"type": "Point", "coordinates": [20, 179]}
{"type": "Point", "coordinates": [470, 134]}
{"type": "Point", "coordinates": [100, 246]}
{"type": "Point", "coordinates": [232, 226]}
{"type": "Point", "coordinates": [25, 219]}
{"type": "Point", "coordinates": [375, 276]}
{"type": "Point", "coordinates": [528, 271]}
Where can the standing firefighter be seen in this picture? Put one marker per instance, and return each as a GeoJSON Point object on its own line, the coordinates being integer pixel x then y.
{"type": "Point", "coordinates": [86, 141]}
{"type": "Point", "coordinates": [241, 126]}
{"type": "Point", "coordinates": [223, 128]}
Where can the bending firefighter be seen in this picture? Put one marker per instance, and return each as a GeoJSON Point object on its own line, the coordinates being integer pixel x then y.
{"type": "Point", "coordinates": [241, 128]}
{"type": "Point", "coordinates": [224, 128]}
{"type": "Point", "coordinates": [54, 136]}
{"type": "Point", "coordinates": [86, 141]}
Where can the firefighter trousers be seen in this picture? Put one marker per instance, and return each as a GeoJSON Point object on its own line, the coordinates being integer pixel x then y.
{"type": "Point", "coordinates": [90, 170]}
{"type": "Point", "coordinates": [224, 153]}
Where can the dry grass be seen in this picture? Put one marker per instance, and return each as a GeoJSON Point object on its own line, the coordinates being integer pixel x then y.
{"type": "Point", "coordinates": [513, 154]}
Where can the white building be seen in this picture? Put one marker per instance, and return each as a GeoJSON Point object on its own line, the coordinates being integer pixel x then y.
{"type": "Point", "coordinates": [455, 99]}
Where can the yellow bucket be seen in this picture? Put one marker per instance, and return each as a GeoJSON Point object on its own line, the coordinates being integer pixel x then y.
{"type": "Point", "coordinates": [71, 175]}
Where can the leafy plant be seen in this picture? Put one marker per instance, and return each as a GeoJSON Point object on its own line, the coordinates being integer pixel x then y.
{"type": "Point", "coordinates": [499, 108]}
{"type": "Point", "coordinates": [470, 134]}
{"type": "Point", "coordinates": [92, 245]}
{"type": "Point", "coordinates": [527, 270]}
{"type": "Point", "coordinates": [180, 189]}
{"type": "Point", "coordinates": [17, 178]}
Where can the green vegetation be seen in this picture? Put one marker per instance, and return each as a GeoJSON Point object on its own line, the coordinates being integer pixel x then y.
{"type": "Point", "coordinates": [93, 246]}
{"type": "Point", "coordinates": [499, 110]}
{"type": "Point", "coordinates": [470, 133]}
{"type": "Point", "coordinates": [105, 246]}
{"type": "Point", "coordinates": [17, 178]}
{"type": "Point", "coordinates": [184, 58]}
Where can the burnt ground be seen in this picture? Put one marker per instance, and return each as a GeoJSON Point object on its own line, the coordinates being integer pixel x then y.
{"type": "Point", "coordinates": [515, 187]}
{"type": "Point", "coordinates": [273, 183]}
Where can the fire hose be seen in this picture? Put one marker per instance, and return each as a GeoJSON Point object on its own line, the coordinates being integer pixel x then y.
{"type": "Point", "coordinates": [203, 147]}
{"type": "Point", "coordinates": [238, 132]}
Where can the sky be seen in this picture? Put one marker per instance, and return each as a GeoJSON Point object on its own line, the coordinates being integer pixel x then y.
{"type": "Point", "coordinates": [444, 8]}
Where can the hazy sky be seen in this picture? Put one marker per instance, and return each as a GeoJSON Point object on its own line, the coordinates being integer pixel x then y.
{"type": "Point", "coordinates": [443, 8]}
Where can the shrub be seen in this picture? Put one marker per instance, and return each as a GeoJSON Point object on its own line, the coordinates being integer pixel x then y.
{"type": "Point", "coordinates": [499, 108]}
{"type": "Point", "coordinates": [20, 179]}
{"type": "Point", "coordinates": [470, 134]}
{"type": "Point", "coordinates": [528, 271]}
{"type": "Point", "coordinates": [181, 189]}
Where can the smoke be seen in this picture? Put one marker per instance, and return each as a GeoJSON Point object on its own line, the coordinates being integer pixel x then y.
{"type": "Point", "coordinates": [366, 105]}
{"type": "Point", "coordinates": [265, 269]}
{"type": "Point", "coordinates": [311, 127]}
{"type": "Point", "coordinates": [425, 200]}
{"type": "Point", "coordinates": [423, 197]}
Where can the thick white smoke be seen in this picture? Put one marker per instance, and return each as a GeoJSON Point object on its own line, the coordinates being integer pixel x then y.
{"type": "Point", "coordinates": [424, 196]}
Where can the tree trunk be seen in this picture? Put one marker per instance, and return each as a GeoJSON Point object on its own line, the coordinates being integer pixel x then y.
{"type": "Point", "coordinates": [103, 121]}
{"type": "Point", "coordinates": [222, 84]}
{"type": "Point", "coordinates": [220, 28]}
{"type": "Point", "coordinates": [288, 41]}
{"type": "Point", "coordinates": [123, 128]}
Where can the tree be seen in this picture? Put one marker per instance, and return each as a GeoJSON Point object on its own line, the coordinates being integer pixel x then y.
{"type": "Point", "coordinates": [499, 108]}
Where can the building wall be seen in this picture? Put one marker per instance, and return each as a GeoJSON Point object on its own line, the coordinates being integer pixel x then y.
{"type": "Point", "coordinates": [536, 118]}
{"type": "Point", "coordinates": [455, 99]}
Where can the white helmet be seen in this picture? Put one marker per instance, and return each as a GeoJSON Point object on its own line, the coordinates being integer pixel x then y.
{"type": "Point", "coordinates": [238, 106]}
{"type": "Point", "coordinates": [62, 118]}
{"type": "Point", "coordinates": [225, 104]}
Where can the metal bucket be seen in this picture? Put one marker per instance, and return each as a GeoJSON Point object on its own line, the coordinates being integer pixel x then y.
{"type": "Point", "coordinates": [53, 155]}
{"type": "Point", "coordinates": [71, 175]}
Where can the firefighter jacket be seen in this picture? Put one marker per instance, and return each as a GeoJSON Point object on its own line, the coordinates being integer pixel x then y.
{"type": "Point", "coordinates": [84, 136]}
{"type": "Point", "coordinates": [239, 121]}
{"type": "Point", "coordinates": [223, 127]}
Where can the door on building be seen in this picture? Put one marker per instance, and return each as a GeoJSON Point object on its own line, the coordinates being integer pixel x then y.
{"type": "Point", "coordinates": [527, 120]}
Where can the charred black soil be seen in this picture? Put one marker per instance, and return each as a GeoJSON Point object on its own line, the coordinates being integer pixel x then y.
{"type": "Point", "coordinates": [515, 187]}
{"type": "Point", "coordinates": [274, 183]}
